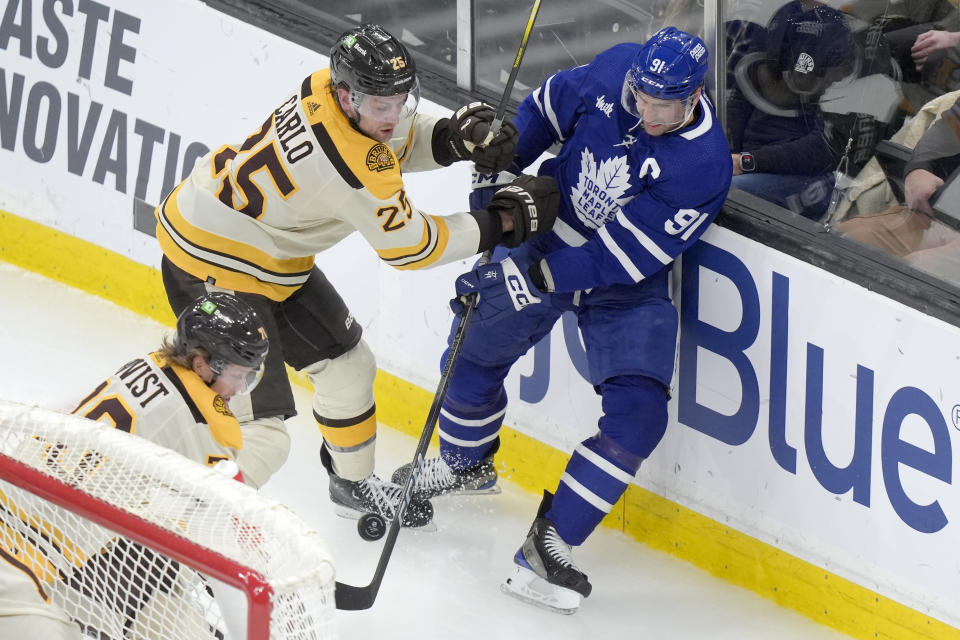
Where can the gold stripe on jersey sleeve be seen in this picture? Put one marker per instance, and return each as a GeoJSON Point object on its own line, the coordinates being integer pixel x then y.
{"type": "Point", "coordinates": [395, 253]}
{"type": "Point", "coordinates": [25, 557]}
{"type": "Point", "coordinates": [7, 556]}
{"type": "Point", "coordinates": [49, 533]}
{"type": "Point", "coordinates": [222, 424]}
{"type": "Point", "coordinates": [372, 163]}
{"type": "Point", "coordinates": [443, 237]}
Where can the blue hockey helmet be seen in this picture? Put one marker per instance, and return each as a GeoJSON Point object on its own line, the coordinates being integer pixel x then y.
{"type": "Point", "coordinates": [670, 66]}
{"type": "Point", "coordinates": [663, 79]}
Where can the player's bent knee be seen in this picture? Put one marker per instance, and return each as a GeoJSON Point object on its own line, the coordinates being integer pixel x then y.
{"type": "Point", "coordinates": [475, 386]}
{"type": "Point", "coordinates": [635, 413]}
{"type": "Point", "coordinates": [343, 386]}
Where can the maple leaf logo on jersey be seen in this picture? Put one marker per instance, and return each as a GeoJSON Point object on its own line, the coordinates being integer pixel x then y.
{"type": "Point", "coordinates": [599, 192]}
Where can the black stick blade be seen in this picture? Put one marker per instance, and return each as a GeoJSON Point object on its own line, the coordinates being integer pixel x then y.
{"type": "Point", "coordinates": [350, 598]}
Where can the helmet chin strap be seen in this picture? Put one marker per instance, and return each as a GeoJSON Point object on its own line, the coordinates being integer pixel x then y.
{"type": "Point", "coordinates": [353, 120]}
{"type": "Point", "coordinates": [216, 370]}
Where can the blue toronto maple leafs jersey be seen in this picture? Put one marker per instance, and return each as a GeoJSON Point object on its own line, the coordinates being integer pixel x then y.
{"type": "Point", "coordinates": [631, 202]}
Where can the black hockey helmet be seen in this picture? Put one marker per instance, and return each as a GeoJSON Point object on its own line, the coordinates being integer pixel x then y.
{"type": "Point", "coordinates": [226, 327]}
{"type": "Point", "coordinates": [370, 60]}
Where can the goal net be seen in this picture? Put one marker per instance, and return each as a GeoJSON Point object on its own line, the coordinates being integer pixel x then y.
{"type": "Point", "coordinates": [134, 541]}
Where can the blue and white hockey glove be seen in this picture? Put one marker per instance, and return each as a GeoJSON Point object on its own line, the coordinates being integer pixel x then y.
{"type": "Point", "coordinates": [484, 185]}
{"type": "Point", "coordinates": [502, 287]}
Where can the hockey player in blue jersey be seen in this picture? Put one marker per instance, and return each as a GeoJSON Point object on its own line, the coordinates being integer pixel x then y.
{"type": "Point", "coordinates": [643, 169]}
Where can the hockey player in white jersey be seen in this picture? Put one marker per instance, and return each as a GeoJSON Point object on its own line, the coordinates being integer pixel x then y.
{"type": "Point", "coordinates": [643, 168]}
{"type": "Point", "coordinates": [176, 397]}
{"type": "Point", "coordinates": [327, 162]}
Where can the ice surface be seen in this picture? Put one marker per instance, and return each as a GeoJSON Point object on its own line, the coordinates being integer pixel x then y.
{"type": "Point", "coordinates": [58, 343]}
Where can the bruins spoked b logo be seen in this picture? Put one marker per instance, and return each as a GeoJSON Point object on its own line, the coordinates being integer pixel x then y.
{"type": "Point", "coordinates": [220, 406]}
{"type": "Point", "coordinates": [380, 158]}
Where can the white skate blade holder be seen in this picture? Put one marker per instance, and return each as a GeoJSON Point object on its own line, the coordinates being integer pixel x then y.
{"type": "Point", "coordinates": [527, 586]}
{"type": "Point", "coordinates": [489, 491]}
{"type": "Point", "coordinates": [352, 514]}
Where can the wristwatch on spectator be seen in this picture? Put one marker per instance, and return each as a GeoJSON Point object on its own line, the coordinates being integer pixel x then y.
{"type": "Point", "coordinates": [747, 163]}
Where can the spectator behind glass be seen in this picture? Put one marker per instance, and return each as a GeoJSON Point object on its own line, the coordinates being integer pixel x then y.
{"type": "Point", "coordinates": [774, 123]}
{"type": "Point", "coordinates": [923, 39]}
{"type": "Point", "coordinates": [909, 230]}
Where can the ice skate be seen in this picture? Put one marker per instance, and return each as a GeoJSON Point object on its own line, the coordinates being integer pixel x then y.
{"type": "Point", "coordinates": [544, 574]}
{"type": "Point", "coordinates": [373, 495]}
{"type": "Point", "coordinates": [437, 478]}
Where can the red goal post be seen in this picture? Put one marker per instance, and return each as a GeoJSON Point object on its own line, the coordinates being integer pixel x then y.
{"type": "Point", "coordinates": [124, 535]}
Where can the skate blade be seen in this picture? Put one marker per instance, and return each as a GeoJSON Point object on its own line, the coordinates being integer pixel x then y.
{"type": "Point", "coordinates": [353, 514]}
{"type": "Point", "coordinates": [489, 491]}
{"type": "Point", "coordinates": [528, 587]}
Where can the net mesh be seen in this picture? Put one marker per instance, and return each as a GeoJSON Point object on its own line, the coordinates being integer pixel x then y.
{"type": "Point", "coordinates": [114, 587]}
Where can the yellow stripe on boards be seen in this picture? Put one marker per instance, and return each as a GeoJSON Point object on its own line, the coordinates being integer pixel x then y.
{"type": "Point", "coordinates": [83, 265]}
{"type": "Point", "coordinates": [651, 519]}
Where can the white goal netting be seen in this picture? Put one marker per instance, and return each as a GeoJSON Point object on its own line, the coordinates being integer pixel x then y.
{"type": "Point", "coordinates": [124, 536]}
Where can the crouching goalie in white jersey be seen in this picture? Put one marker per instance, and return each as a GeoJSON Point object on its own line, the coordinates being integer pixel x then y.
{"type": "Point", "coordinates": [326, 163]}
{"type": "Point", "coordinates": [176, 397]}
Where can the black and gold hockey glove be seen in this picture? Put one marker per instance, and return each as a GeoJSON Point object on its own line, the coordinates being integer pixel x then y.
{"type": "Point", "coordinates": [463, 136]}
{"type": "Point", "coordinates": [532, 201]}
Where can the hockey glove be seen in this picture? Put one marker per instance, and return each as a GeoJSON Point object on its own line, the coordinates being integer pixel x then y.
{"type": "Point", "coordinates": [532, 201]}
{"type": "Point", "coordinates": [502, 287]}
{"type": "Point", "coordinates": [466, 131]}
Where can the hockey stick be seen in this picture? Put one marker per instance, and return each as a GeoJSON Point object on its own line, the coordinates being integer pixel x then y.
{"type": "Point", "coordinates": [352, 598]}
{"type": "Point", "coordinates": [512, 78]}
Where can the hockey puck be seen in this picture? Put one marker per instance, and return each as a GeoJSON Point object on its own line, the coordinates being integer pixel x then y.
{"type": "Point", "coordinates": [371, 526]}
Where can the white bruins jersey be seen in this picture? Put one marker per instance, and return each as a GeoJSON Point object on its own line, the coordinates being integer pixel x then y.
{"type": "Point", "coordinates": [169, 405]}
{"type": "Point", "coordinates": [162, 402]}
{"type": "Point", "coordinates": [251, 217]}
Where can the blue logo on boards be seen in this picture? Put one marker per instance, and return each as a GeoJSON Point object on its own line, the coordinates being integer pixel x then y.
{"type": "Point", "coordinates": [738, 428]}
{"type": "Point", "coordinates": [855, 477]}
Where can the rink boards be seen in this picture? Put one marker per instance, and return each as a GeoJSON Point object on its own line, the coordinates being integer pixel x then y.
{"type": "Point", "coordinates": [809, 456]}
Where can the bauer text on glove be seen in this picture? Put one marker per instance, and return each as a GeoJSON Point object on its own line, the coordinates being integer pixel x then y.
{"type": "Point", "coordinates": [532, 202]}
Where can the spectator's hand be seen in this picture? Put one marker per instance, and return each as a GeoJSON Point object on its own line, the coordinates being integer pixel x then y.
{"type": "Point", "coordinates": [931, 41]}
{"type": "Point", "coordinates": [468, 129]}
{"type": "Point", "coordinates": [919, 188]}
{"type": "Point", "coordinates": [736, 164]}
{"type": "Point", "coordinates": [502, 287]}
